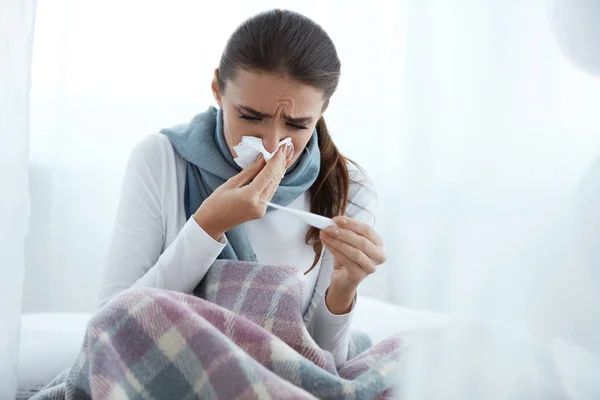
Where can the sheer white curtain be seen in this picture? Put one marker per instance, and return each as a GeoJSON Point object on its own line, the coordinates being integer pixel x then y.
{"type": "Point", "coordinates": [472, 124]}
{"type": "Point", "coordinates": [499, 130]}
{"type": "Point", "coordinates": [16, 39]}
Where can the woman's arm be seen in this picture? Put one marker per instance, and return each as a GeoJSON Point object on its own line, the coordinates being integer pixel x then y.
{"type": "Point", "coordinates": [327, 326]}
{"type": "Point", "coordinates": [135, 256]}
{"type": "Point", "coordinates": [330, 331]}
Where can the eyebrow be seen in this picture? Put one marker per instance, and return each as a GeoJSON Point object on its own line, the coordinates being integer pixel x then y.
{"type": "Point", "coordinates": [258, 114]}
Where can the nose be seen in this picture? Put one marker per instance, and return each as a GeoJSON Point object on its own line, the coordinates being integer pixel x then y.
{"type": "Point", "coordinates": [271, 140]}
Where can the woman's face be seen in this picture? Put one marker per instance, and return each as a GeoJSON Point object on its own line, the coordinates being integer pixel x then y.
{"type": "Point", "coordinates": [269, 107]}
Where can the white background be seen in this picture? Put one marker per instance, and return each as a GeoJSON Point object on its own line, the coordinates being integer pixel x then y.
{"type": "Point", "coordinates": [475, 128]}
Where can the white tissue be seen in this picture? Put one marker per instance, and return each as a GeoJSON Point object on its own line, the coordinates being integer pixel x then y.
{"type": "Point", "coordinates": [250, 147]}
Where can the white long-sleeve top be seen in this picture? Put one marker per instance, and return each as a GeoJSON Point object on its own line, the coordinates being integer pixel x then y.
{"type": "Point", "coordinates": [154, 245]}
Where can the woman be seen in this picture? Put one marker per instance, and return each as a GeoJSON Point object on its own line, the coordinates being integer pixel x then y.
{"type": "Point", "coordinates": [185, 202]}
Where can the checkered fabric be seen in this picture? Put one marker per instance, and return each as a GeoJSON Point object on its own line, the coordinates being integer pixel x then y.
{"type": "Point", "coordinates": [241, 336]}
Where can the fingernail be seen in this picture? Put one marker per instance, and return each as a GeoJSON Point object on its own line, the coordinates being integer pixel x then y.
{"type": "Point", "coordinates": [343, 221]}
{"type": "Point", "coordinates": [333, 231]}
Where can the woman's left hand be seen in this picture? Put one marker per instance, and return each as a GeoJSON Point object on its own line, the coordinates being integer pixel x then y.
{"type": "Point", "coordinates": [357, 250]}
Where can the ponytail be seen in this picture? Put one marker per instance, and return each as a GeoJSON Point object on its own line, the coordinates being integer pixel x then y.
{"type": "Point", "coordinates": [329, 194]}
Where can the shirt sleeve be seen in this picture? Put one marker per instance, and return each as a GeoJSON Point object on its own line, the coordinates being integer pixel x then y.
{"type": "Point", "coordinates": [332, 332]}
{"type": "Point", "coordinates": [135, 256]}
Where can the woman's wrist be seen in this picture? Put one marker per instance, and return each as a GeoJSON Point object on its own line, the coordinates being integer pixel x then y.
{"type": "Point", "coordinates": [208, 225]}
{"type": "Point", "coordinates": [339, 300]}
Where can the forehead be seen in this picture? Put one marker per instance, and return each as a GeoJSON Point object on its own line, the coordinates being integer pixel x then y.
{"type": "Point", "coordinates": [265, 92]}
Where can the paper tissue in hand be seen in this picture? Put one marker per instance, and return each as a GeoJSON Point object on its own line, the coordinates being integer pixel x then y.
{"type": "Point", "coordinates": [250, 147]}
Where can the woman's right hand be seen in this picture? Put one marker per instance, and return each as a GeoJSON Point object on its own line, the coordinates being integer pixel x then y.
{"type": "Point", "coordinates": [239, 199]}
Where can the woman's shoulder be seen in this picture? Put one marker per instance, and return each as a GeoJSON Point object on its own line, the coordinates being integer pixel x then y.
{"type": "Point", "coordinates": [153, 156]}
{"type": "Point", "coordinates": [358, 176]}
{"type": "Point", "coordinates": [362, 195]}
{"type": "Point", "coordinates": [155, 149]}
{"type": "Point", "coordinates": [152, 146]}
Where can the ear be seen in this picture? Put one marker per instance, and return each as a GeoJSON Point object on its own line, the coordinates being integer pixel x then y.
{"type": "Point", "coordinates": [215, 88]}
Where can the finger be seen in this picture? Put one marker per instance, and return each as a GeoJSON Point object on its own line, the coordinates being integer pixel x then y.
{"type": "Point", "coordinates": [271, 174]}
{"type": "Point", "coordinates": [248, 174]}
{"type": "Point", "coordinates": [269, 192]}
{"type": "Point", "coordinates": [360, 228]}
{"type": "Point", "coordinates": [340, 257]}
{"type": "Point", "coordinates": [350, 253]}
{"type": "Point", "coordinates": [372, 251]}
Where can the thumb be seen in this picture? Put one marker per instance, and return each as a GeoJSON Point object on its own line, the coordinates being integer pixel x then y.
{"type": "Point", "coordinates": [248, 174]}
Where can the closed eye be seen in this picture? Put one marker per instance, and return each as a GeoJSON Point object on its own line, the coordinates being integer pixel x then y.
{"type": "Point", "coordinates": [298, 127]}
{"type": "Point", "coordinates": [252, 119]}
{"type": "Point", "coordinates": [249, 118]}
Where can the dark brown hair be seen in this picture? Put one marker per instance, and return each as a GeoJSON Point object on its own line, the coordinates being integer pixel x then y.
{"type": "Point", "coordinates": [287, 43]}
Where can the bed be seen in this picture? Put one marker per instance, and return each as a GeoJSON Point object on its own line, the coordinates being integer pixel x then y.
{"type": "Point", "coordinates": [50, 344]}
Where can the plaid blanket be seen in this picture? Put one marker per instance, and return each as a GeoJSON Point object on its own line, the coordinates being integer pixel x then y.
{"type": "Point", "coordinates": [241, 336]}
